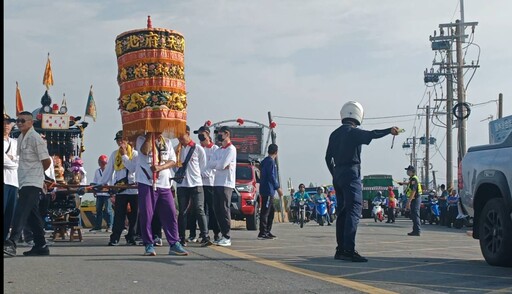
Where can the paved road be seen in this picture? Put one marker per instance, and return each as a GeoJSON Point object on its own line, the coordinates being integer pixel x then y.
{"type": "Point", "coordinates": [442, 260]}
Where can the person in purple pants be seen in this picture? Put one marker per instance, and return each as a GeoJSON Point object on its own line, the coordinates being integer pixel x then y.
{"type": "Point", "coordinates": [160, 199]}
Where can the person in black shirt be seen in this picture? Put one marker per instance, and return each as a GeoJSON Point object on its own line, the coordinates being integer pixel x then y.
{"type": "Point", "coordinates": [343, 158]}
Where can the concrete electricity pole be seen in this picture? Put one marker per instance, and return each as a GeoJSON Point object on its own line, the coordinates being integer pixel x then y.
{"type": "Point", "coordinates": [449, 120]}
{"type": "Point", "coordinates": [444, 42]}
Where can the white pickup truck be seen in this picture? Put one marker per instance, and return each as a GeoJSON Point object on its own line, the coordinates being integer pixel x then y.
{"type": "Point", "coordinates": [487, 197]}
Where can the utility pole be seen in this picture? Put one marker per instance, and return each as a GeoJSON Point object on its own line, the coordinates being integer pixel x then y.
{"type": "Point", "coordinates": [461, 92]}
{"type": "Point", "coordinates": [434, 179]}
{"type": "Point", "coordinates": [273, 138]}
{"type": "Point", "coordinates": [415, 164]}
{"type": "Point", "coordinates": [444, 42]}
{"type": "Point", "coordinates": [500, 105]}
{"type": "Point", "coordinates": [449, 119]}
{"type": "Point", "coordinates": [427, 148]}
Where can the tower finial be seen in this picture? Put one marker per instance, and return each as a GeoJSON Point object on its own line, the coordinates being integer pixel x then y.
{"type": "Point", "coordinates": [150, 26]}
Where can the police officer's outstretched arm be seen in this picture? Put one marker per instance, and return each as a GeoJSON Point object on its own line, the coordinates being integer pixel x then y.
{"type": "Point", "coordinates": [365, 137]}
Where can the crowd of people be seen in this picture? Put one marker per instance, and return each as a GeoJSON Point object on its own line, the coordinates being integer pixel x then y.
{"type": "Point", "coordinates": [204, 176]}
{"type": "Point", "coordinates": [144, 170]}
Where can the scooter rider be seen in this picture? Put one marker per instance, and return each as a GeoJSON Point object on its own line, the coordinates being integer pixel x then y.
{"type": "Point", "coordinates": [343, 158]}
{"type": "Point", "coordinates": [301, 195]}
{"type": "Point", "coordinates": [320, 194]}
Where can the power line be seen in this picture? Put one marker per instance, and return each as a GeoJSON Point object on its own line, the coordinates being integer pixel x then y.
{"type": "Point", "coordinates": [337, 119]}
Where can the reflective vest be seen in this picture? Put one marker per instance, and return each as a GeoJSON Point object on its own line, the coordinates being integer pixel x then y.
{"type": "Point", "coordinates": [409, 189]}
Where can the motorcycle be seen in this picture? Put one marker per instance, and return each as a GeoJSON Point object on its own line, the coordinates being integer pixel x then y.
{"type": "Point", "coordinates": [377, 211]}
{"type": "Point", "coordinates": [463, 219]}
{"type": "Point", "coordinates": [303, 212]}
{"type": "Point", "coordinates": [321, 211]}
{"type": "Point", "coordinates": [434, 213]}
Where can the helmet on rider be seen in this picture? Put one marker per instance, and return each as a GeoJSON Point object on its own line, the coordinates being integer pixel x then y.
{"type": "Point", "coordinates": [352, 111]}
{"type": "Point", "coordinates": [320, 190]}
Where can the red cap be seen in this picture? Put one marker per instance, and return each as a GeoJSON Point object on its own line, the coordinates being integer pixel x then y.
{"type": "Point", "coordinates": [103, 158]}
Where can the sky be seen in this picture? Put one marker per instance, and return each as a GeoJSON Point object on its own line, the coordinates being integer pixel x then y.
{"type": "Point", "coordinates": [295, 58]}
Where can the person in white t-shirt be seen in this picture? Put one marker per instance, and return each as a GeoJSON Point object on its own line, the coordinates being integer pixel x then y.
{"type": "Point", "coordinates": [33, 161]}
{"type": "Point", "coordinates": [224, 163]}
{"type": "Point", "coordinates": [156, 194]}
{"type": "Point", "coordinates": [208, 175]}
{"type": "Point", "coordinates": [190, 188]}
{"type": "Point", "coordinates": [10, 174]}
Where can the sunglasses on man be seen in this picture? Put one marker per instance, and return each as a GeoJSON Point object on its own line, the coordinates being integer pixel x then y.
{"type": "Point", "coordinates": [21, 121]}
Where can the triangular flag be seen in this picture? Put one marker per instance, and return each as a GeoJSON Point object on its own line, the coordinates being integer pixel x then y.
{"type": "Point", "coordinates": [64, 100]}
{"type": "Point", "coordinates": [48, 75]}
{"type": "Point", "coordinates": [19, 103]}
{"type": "Point", "coordinates": [90, 108]}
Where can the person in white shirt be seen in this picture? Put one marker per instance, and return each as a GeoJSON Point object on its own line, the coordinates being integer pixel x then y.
{"type": "Point", "coordinates": [102, 198]}
{"type": "Point", "coordinates": [155, 192]}
{"type": "Point", "coordinates": [10, 174]}
{"type": "Point", "coordinates": [33, 161]}
{"type": "Point", "coordinates": [208, 175]}
{"type": "Point", "coordinates": [192, 160]}
{"type": "Point", "coordinates": [49, 194]}
{"type": "Point", "coordinates": [224, 163]}
{"type": "Point", "coordinates": [120, 170]}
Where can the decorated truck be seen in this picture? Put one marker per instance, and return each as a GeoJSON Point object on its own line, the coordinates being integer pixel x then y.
{"type": "Point", "coordinates": [373, 184]}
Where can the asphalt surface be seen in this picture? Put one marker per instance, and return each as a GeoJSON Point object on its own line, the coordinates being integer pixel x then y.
{"type": "Point", "coordinates": [442, 260]}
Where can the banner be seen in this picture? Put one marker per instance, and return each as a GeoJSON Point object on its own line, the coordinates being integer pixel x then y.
{"type": "Point", "coordinates": [19, 103]}
{"type": "Point", "coordinates": [90, 108]}
{"type": "Point", "coordinates": [48, 75]}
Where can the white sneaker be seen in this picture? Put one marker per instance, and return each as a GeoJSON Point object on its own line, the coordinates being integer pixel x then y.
{"type": "Point", "coordinates": [192, 240]}
{"type": "Point", "coordinates": [224, 242]}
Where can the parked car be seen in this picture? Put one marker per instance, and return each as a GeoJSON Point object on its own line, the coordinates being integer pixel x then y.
{"type": "Point", "coordinates": [485, 191]}
{"type": "Point", "coordinates": [245, 202]}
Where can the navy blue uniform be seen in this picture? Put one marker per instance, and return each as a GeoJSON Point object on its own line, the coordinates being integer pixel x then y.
{"type": "Point", "coordinates": [268, 186]}
{"type": "Point", "coordinates": [343, 158]}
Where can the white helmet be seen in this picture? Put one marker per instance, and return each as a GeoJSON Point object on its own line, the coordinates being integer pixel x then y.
{"type": "Point", "coordinates": [353, 110]}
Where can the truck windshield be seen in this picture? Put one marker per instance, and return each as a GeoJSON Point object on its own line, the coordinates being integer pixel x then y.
{"type": "Point", "coordinates": [243, 173]}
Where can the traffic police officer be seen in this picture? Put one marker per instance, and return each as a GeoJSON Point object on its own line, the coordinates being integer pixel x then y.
{"type": "Point", "coordinates": [343, 158]}
{"type": "Point", "coordinates": [413, 193]}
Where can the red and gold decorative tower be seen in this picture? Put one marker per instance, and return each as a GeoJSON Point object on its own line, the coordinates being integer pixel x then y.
{"type": "Point", "coordinates": [151, 77]}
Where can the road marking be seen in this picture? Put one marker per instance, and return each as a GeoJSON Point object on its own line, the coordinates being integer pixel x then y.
{"type": "Point", "coordinates": [421, 249]}
{"type": "Point", "coordinates": [397, 268]}
{"type": "Point", "coordinates": [429, 286]}
{"type": "Point", "coordinates": [316, 275]}
{"type": "Point", "coordinates": [504, 290]}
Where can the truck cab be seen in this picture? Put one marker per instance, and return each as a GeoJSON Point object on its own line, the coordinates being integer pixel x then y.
{"type": "Point", "coordinates": [485, 189]}
{"type": "Point", "coordinates": [245, 204]}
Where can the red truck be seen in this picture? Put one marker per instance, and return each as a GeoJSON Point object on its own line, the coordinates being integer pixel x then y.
{"type": "Point", "coordinates": [245, 202]}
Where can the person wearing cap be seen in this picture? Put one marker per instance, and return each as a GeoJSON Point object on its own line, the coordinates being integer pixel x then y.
{"type": "Point", "coordinates": [208, 175]}
{"type": "Point", "coordinates": [343, 158]}
{"type": "Point", "coordinates": [413, 193]}
{"type": "Point", "coordinates": [120, 170]}
{"type": "Point", "coordinates": [269, 184]}
{"type": "Point", "coordinates": [33, 161]}
{"type": "Point", "coordinates": [159, 197]}
{"type": "Point", "coordinates": [10, 174]}
{"type": "Point", "coordinates": [102, 199]}
{"type": "Point", "coordinates": [224, 162]}
{"type": "Point", "coordinates": [192, 159]}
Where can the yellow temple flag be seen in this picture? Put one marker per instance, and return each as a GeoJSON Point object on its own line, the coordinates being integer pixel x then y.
{"type": "Point", "coordinates": [48, 75]}
{"type": "Point", "coordinates": [90, 108]}
{"type": "Point", "coordinates": [19, 103]}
